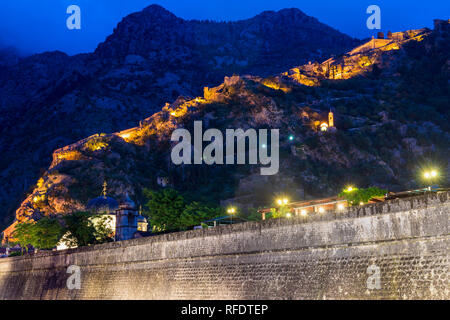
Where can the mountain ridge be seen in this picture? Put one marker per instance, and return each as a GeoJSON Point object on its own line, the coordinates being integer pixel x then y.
{"type": "Point", "coordinates": [51, 100]}
{"type": "Point", "coordinates": [390, 117]}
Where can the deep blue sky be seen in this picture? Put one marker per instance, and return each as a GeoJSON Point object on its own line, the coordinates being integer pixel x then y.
{"type": "Point", "coordinates": [40, 25]}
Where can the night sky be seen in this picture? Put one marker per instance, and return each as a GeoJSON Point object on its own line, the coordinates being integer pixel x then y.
{"type": "Point", "coordinates": [40, 25]}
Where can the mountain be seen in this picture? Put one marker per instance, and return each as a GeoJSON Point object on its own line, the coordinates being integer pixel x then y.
{"type": "Point", "coordinates": [50, 100]}
{"type": "Point", "coordinates": [390, 103]}
{"type": "Point", "coordinates": [9, 56]}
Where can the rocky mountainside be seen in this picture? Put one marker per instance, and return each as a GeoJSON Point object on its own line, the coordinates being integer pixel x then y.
{"type": "Point", "coordinates": [390, 101]}
{"type": "Point", "coordinates": [50, 100]}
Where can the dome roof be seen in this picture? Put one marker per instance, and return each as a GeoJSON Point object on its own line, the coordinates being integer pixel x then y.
{"type": "Point", "coordinates": [141, 219]}
{"type": "Point", "coordinates": [103, 204]}
{"type": "Point", "coordinates": [128, 203]}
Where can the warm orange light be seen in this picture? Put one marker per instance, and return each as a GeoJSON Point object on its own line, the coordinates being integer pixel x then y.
{"type": "Point", "coordinates": [324, 126]}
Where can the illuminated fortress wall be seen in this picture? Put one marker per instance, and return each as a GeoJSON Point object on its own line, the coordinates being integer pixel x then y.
{"type": "Point", "coordinates": [325, 257]}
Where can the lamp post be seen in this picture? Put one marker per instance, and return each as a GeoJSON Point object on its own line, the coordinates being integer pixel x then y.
{"type": "Point", "coordinates": [231, 211]}
{"type": "Point", "coordinates": [430, 176]}
{"type": "Point", "coordinates": [282, 202]}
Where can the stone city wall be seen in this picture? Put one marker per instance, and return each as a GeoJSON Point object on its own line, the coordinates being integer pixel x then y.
{"type": "Point", "coordinates": [329, 256]}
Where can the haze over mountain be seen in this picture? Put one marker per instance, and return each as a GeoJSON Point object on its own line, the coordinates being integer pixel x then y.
{"type": "Point", "coordinates": [50, 100]}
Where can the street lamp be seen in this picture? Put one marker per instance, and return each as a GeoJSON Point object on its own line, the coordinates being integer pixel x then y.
{"type": "Point", "coordinates": [429, 176]}
{"type": "Point", "coordinates": [282, 201]}
{"type": "Point", "coordinates": [231, 211]}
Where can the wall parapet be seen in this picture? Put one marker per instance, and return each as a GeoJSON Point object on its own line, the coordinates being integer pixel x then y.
{"type": "Point", "coordinates": [422, 202]}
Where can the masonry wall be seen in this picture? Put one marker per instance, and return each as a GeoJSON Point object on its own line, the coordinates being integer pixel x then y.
{"type": "Point", "coordinates": [322, 257]}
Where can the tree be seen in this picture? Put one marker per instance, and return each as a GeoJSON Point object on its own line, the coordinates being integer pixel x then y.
{"type": "Point", "coordinates": [355, 196]}
{"type": "Point", "coordinates": [164, 209]}
{"type": "Point", "coordinates": [77, 229]}
{"type": "Point", "coordinates": [168, 210]}
{"type": "Point", "coordinates": [43, 234]}
{"type": "Point", "coordinates": [280, 212]}
{"type": "Point", "coordinates": [83, 229]}
{"type": "Point", "coordinates": [23, 233]}
{"type": "Point", "coordinates": [195, 213]}
{"type": "Point", "coordinates": [389, 35]}
{"type": "Point", "coordinates": [255, 215]}
{"type": "Point", "coordinates": [104, 230]}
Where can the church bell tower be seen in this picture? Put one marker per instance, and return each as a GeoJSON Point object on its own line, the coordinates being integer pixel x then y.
{"type": "Point", "coordinates": [330, 119]}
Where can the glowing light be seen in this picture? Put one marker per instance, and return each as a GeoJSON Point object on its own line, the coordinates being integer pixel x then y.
{"type": "Point", "coordinates": [264, 146]}
{"type": "Point", "coordinates": [321, 210]}
{"type": "Point", "coordinates": [173, 114]}
{"type": "Point", "coordinates": [341, 206]}
{"type": "Point", "coordinates": [324, 126]}
{"type": "Point", "coordinates": [288, 215]}
{"type": "Point", "coordinates": [35, 199]}
{"type": "Point", "coordinates": [282, 201]}
{"type": "Point", "coordinates": [291, 138]}
{"type": "Point", "coordinates": [231, 210]}
{"type": "Point", "coordinates": [430, 174]}
{"type": "Point", "coordinates": [361, 203]}
{"type": "Point", "coordinates": [303, 212]}
{"type": "Point", "coordinates": [350, 189]}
